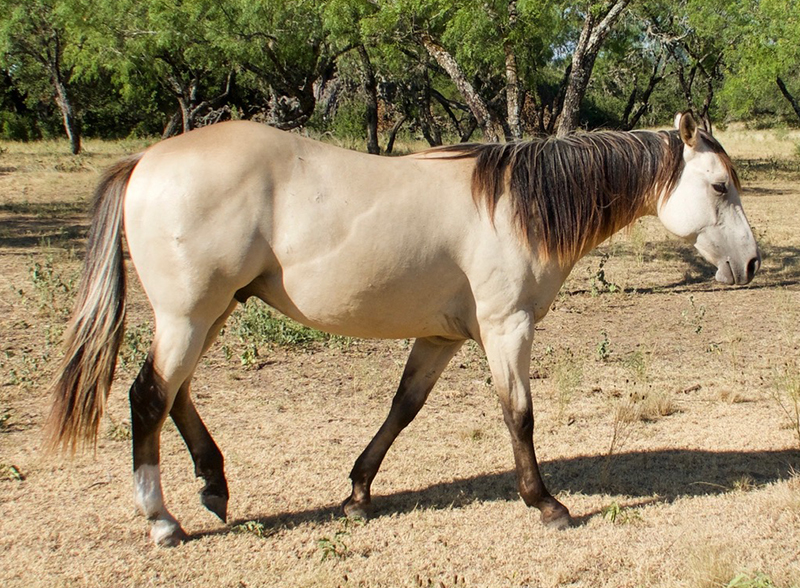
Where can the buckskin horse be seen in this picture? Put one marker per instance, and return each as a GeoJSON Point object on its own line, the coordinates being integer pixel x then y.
{"type": "Point", "coordinates": [465, 242]}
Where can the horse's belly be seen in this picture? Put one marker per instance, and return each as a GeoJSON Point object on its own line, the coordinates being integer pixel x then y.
{"type": "Point", "coordinates": [391, 304]}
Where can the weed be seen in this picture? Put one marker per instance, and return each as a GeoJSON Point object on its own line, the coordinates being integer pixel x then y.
{"type": "Point", "coordinates": [786, 392]}
{"type": "Point", "coordinates": [256, 528]}
{"type": "Point", "coordinates": [119, 431]}
{"type": "Point", "coordinates": [256, 325]}
{"type": "Point", "coordinates": [636, 363]}
{"type": "Point", "coordinates": [600, 283]}
{"type": "Point", "coordinates": [603, 349]}
{"type": "Point", "coordinates": [694, 317]}
{"type": "Point", "coordinates": [135, 345]}
{"type": "Point", "coordinates": [5, 417]}
{"type": "Point", "coordinates": [638, 241]}
{"type": "Point", "coordinates": [747, 581]}
{"type": "Point", "coordinates": [26, 368]}
{"type": "Point", "coordinates": [335, 547]}
{"type": "Point", "coordinates": [567, 378]}
{"type": "Point", "coordinates": [11, 472]}
{"type": "Point", "coordinates": [620, 515]}
{"type": "Point", "coordinates": [54, 292]}
{"type": "Point", "coordinates": [744, 484]}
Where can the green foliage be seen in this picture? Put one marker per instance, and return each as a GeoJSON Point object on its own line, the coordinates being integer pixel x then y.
{"type": "Point", "coordinates": [745, 580]}
{"type": "Point", "coordinates": [695, 315]}
{"type": "Point", "coordinates": [766, 47]}
{"type": "Point", "coordinates": [135, 345]}
{"type": "Point", "coordinates": [256, 325]}
{"type": "Point", "coordinates": [620, 515]}
{"type": "Point", "coordinates": [11, 472]}
{"type": "Point", "coordinates": [334, 547]}
{"type": "Point", "coordinates": [603, 349]}
{"type": "Point", "coordinates": [5, 419]}
{"type": "Point", "coordinates": [127, 64]}
{"type": "Point", "coordinates": [600, 284]}
{"type": "Point", "coordinates": [255, 528]}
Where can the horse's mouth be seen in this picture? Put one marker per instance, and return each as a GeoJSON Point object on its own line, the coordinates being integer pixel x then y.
{"type": "Point", "coordinates": [726, 274]}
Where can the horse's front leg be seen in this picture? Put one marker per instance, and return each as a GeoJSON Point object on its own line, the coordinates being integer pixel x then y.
{"type": "Point", "coordinates": [508, 349]}
{"type": "Point", "coordinates": [425, 364]}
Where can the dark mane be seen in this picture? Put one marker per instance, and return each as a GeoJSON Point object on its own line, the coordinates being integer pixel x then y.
{"type": "Point", "coordinates": [573, 192]}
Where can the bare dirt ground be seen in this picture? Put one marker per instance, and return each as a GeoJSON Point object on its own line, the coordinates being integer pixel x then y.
{"type": "Point", "coordinates": [659, 398]}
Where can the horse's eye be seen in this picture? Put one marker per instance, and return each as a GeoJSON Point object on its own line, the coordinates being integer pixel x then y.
{"type": "Point", "coordinates": [720, 187]}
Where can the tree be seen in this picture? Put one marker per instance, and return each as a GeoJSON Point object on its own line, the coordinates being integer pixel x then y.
{"type": "Point", "coordinates": [766, 57]}
{"type": "Point", "coordinates": [41, 46]}
{"type": "Point", "coordinates": [597, 24]}
{"type": "Point", "coordinates": [284, 53]}
{"type": "Point", "coordinates": [175, 45]}
{"type": "Point", "coordinates": [342, 19]}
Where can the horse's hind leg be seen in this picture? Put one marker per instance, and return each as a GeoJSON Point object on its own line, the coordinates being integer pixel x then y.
{"type": "Point", "coordinates": [176, 349]}
{"type": "Point", "coordinates": [208, 460]}
{"type": "Point", "coordinates": [425, 364]}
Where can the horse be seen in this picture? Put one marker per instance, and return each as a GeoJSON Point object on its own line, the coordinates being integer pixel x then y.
{"type": "Point", "coordinates": [467, 242]}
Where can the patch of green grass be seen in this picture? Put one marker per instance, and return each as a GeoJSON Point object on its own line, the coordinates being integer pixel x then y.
{"type": "Point", "coordinates": [135, 345]}
{"type": "Point", "coordinates": [52, 288]}
{"type": "Point", "coordinates": [620, 515]}
{"type": "Point", "coordinates": [334, 547]}
{"type": "Point", "coordinates": [255, 326]}
{"type": "Point", "coordinates": [255, 528]}
{"type": "Point", "coordinates": [119, 431]}
{"type": "Point", "coordinates": [603, 348]}
{"type": "Point", "coordinates": [758, 580]}
{"type": "Point", "coordinates": [695, 315]}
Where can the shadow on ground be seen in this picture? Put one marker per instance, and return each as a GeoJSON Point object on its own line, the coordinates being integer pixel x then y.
{"type": "Point", "coordinates": [652, 476]}
{"type": "Point", "coordinates": [30, 225]}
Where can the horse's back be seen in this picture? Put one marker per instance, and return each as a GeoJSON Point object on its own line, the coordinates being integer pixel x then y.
{"type": "Point", "coordinates": [343, 241]}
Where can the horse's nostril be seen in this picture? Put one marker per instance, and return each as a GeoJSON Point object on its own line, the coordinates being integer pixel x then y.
{"type": "Point", "coordinates": [752, 267]}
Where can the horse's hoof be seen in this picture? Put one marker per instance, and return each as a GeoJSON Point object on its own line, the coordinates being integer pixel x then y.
{"type": "Point", "coordinates": [356, 510]}
{"type": "Point", "coordinates": [556, 516]}
{"type": "Point", "coordinates": [216, 504]}
{"type": "Point", "coordinates": [167, 533]}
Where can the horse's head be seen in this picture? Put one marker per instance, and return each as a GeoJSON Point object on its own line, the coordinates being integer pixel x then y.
{"type": "Point", "coordinates": [705, 208]}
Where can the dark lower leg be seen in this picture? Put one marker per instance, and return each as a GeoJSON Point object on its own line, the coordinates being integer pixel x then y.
{"type": "Point", "coordinates": [425, 364]}
{"type": "Point", "coordinates": [149, 407]}
{"type": "Point", "coordinates": [529, 479]}
{"type": "Point", "coordinates": [208, 460]}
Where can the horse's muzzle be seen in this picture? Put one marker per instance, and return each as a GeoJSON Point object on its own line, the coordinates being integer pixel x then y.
{"type": "Point", "coordinates": [727, 274]}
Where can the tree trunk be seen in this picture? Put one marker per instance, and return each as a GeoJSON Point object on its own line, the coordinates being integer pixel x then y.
{"type": "Point", "coordinates": [786, 94]}
{"type": "Point", "coordinates": [393, 133]}
{"type": "Point", "coordinates": [630, 119]}
{"type": "Point", "coordinates": [513, 89]}
{"type": "Point", "coordinates": [71, 123]}
{"type": "Point", "coordinates": [592, 36]}
{"type": "Point", "coordinates": [491, 130]}
{"type": "Point", "coordinates": [428, 126]}
{"type": "Point", "coordinates": [371, 90]}
{"type": "Point", "coordinates": [173, 125]}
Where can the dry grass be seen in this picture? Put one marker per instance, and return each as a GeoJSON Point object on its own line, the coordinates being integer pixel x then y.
{"type": "Point", "coordinates": [702, 478]}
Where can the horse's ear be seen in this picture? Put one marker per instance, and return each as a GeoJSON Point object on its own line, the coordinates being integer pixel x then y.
{"type": "Point", "coordinates": [685, 123]}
